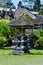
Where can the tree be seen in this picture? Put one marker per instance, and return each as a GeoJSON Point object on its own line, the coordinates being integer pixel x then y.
{"type": "Point", "coordinates": [37, 5]}
{"type": "Point", "coordinates": [34, 7]}
{"type": "Point", "coordinates": [25, 0]}
{"type": "Point", "coordinates": [10, 5]}
{"type": "Point", "coordinates": [19, 4]}
{"type": "Point", "coordinates": [40, 12]}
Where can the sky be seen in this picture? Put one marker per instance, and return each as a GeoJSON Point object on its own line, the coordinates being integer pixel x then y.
{"type": "Point", "coordinates": [16, 2]}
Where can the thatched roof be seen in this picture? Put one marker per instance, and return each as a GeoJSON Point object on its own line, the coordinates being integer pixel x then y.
{"type": "Point", "coordinates": [19, 11]}
{"type": "Point", "coordinates": [20, 22]}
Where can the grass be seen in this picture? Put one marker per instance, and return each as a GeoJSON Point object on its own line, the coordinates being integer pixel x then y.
{"type": "Point", "coordinates": [25, 59]}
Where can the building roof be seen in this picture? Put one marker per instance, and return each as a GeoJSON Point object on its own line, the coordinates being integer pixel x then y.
{"type": "Point", "coordinates": [22, 10]}
{"type": "Point", "coordinates": [20, 22]}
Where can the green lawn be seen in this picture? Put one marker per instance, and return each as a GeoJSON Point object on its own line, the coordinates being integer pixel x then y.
{"type": "Point", "coordinates": [28, 59]}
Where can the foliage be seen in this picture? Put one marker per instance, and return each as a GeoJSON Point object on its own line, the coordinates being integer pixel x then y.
{"type": "Point", "coordinates": [40, 12]}
{"type": "Point", "coordinates": [34, 7]}
{"type": "Point", "coordinates": [2, 40]}
{"type": "Point", "coordinates": [40, 41]}
{"type": "Point", "coordinates": [14, 31]}
{"type": "Point", "coordinates": [37, 5]}
{"type": "Point", "coordinates": [5, 20]}
{"type": "Point", "coordinates": [19, 4]}
{"type": "Point", "coordinates": [41, 33]}
{"type": "Point", "coordinates": [4, 29]}
{"type": "Point", "coordinates": [7, 31]}
{"type": "Point", "coordinates": [10, 5]}
{"type": "Point", "coordinates": [35, 37]}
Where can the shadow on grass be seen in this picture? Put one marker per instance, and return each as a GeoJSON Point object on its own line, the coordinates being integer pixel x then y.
{"type": "Point", "coordinates": [26, 54]}
{"type": "Point", "coordinates": [6, 48]}
{"type": "Point", "coordinates": [36, 53]}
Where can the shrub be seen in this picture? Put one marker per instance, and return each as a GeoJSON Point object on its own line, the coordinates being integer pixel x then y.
{"type": "Point", "coordinates": [5, 20]}
{"type": "Point", "coordinates": [40, 41]}
{"type": "Point", "coordinates": [6, 32]}
{"type": "Point", "coordinates": [35, 37]}
{"type": "Point", "coordinates": [41, 33]}
{"type": "Point", "coordinates": [2, 41]}
{"type": "Point", "coordinates": [4, 29]}
{"type": "Point", "coordinates": [40, 12]}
